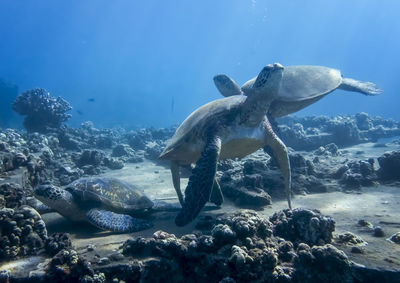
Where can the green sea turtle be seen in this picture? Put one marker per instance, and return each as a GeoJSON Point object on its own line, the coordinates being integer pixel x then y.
{"type": "Point", "coordinates": [106, 203]}
{"type": "Point", "coordinates": [300, 87]}
{"type": "Point", "coordinates": [230, 127]}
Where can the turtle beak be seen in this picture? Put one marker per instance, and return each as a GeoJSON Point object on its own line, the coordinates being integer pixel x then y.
{"type": "Point", "coordinates": [275, 66]}
{"type": "Point", "coordinates": [144, 202]}
{"type": "Point", "coordinates": [278, 66]}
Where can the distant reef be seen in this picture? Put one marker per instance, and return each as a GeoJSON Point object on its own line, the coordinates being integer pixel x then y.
{"type": "Point", "coordinates": [309, 133]}
{"type": "Point", "coordinates": [42, 111]}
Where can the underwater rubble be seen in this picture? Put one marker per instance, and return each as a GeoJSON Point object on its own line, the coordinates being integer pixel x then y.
{"type": "Point", "coordinates": [290, 246]}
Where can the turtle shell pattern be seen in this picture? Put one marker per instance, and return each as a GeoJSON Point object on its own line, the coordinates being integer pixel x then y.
{"type": "Point", "coordinates": [109, 193]}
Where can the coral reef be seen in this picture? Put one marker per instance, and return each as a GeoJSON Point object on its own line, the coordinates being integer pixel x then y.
{"type": "Point", "coordinates": [42, 111]}
{"type": "Point", "coordinates": [66, 154]}
{"type": "Point", "coordinates": [238, 247]}
{"type": "Point", "coordinates": [151, 141]}
{"type": "Point", "coordinates": [254, 179]}
{"type": "Point", "coordinates": [356, 174]}
{"type": "Point", "coordinates": [244, 182]}
{"type": "Point", "coordinates": [13, 150]}
{"type": "Point", "coordinates": [241, 248]}
{"type": "Point", "coordinates": [57, 242]}
{"type": "Point", "coordinates": [349, 238]}
{"type": "Point", "coordinates": [291, 246]}
{"type": "Point", "coordinates": [304, 225]}
{"type": "Point", "coordinates": [22, 232]}
{"type": "Point", "coordinates": [309, 133]}
{"type": "Point", "coordinates": [389, 166]}
{"type": "Point", "coordinates": [11, 195]}
{"type": "Point", "coordinates": [321, 264]}
{"type": "Point", "coordinates": [122, 150]}
{"type": "Point", "coordinates": [67, 266]}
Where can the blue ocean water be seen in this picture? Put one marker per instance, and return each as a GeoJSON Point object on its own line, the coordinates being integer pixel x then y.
{"type": "Point", "coordinates": [151, 63]}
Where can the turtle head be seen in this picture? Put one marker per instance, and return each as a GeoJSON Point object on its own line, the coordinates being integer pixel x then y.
{"type": "Point", "coordinates": [142, 203]}
{"type": "Point", "coordinates": [53, 196]}
{"type": "Point", "coordinates": [261, 93]}
{"type": "Point", "coordinates": [267, 83]}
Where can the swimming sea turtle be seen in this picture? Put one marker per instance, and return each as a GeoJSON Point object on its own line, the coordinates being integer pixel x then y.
{"type": "Point", "coordinates": [300, 87]}
{"type": "Point", "coordinates": [230, 127]}
{"type": "Point", "coordinates": [106, 203]}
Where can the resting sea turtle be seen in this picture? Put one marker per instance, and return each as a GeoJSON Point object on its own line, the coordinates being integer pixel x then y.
{"type": "Point", "coordinates": [300, 87]}
{"type": "Point", "coordinates": [230, 127]}
{"type": "Point", "coordinates": [106, 203]}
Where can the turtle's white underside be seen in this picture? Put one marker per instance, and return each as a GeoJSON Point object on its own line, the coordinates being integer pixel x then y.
{"type": "Point", "coordinates": [238, 142]}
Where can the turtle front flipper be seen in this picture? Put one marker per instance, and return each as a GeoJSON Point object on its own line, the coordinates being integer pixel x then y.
{"type": "Point", "coordinates": [227, 86]}
{"type": "Point", "coordinates": [281, 154]}
{"type": "Point", "coordinates": [201, 182]}
{"type": "Point", "coordinates": [176, 180]}
{"type": "Point", "coordinates": [39, 206]}
{"type": "Point", "coordinates": [216, 197]}
{"type": "Point", "coordinates": [107, 220]}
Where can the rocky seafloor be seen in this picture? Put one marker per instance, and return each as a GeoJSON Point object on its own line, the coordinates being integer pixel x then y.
{"type": "Point", "coordinates": [343, 154]}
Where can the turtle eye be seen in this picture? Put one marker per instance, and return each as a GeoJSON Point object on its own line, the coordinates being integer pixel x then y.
{"type": "Point", "coordinates": [42, 190]}
{"type": "Point", "coordinates": [144, 202]}
{"type": "Point", "coordinates": [39, 191]}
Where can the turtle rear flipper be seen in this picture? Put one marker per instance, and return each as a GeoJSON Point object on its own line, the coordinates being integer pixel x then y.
{"type": "Point", "coordinates": [159, 205]}
{"type": "Point", "coordinates": [201, 182]}
{"type": "Point", "coordinates": [107, 220]}
{"type": "Point", "coordinates": [366, 88]}
{"type": "Point", "coordinates": [216, 197]}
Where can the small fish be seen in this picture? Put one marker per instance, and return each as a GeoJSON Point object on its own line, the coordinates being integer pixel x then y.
{"type": "Point", "coordinates": [91, 100]}
{"type": "Point", "coordinates": [79, 112]}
